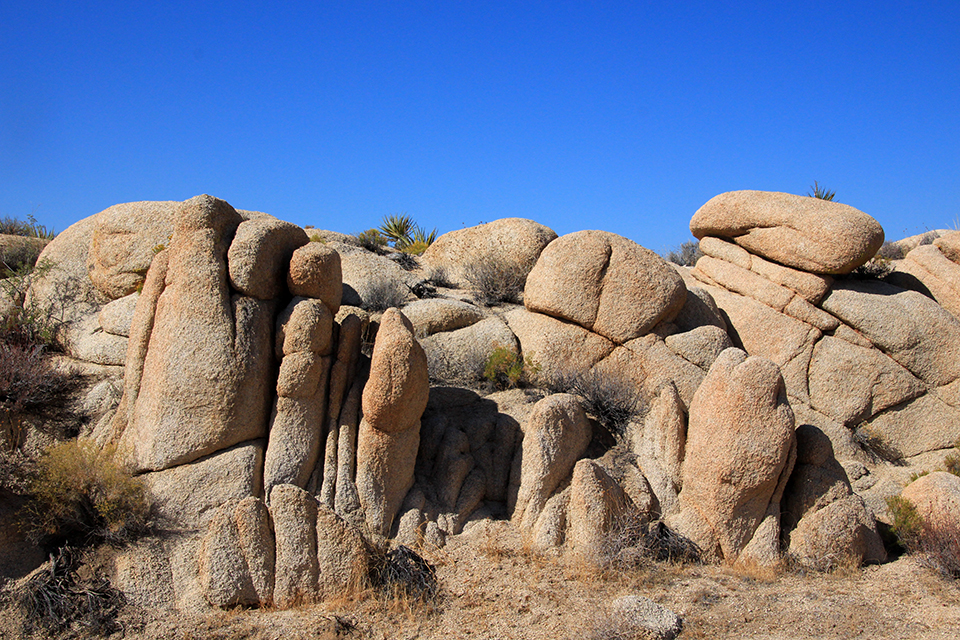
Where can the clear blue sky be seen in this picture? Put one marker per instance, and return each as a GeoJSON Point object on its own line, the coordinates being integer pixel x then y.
{"type": "Point", "coordinates": [624, 116]}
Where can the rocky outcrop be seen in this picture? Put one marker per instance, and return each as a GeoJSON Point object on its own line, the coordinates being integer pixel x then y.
{"type": "Point", "coordinates": [393, 401]}
{"type": "Point", "coordinates": [554, 438]}
{"type": "Point", "coordinates": [936, 497]}
{"type": "Point", "coordinates": [805, 233]}
{"type": "Point", "coordinates": [510, 241]}
{"type": "Point", "coordinates": [740, 450]}
{"type": "Point", "coordinates": [622, 290]}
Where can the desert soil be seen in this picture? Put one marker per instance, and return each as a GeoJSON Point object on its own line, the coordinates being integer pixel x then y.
{"type": "Point", "coordinates": [492, 588]}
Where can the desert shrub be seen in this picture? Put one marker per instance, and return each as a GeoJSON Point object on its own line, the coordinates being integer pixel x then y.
{"type": "Point", "coordinates": [316, 237]}
{"type": "Point", "coordinates": [612, 401]}
{"type": "Point", "coordinates": [404, 260]}
{"type": "Point", "coordinates": [633, 542]}
{"type": "Point", "coordinates": [29, 228]}
{"type": "Point", "coordinates": [18, 258]}
{"type": "Point", "coordinates": [57, 600]}
{"type": "Point", "coordinates": [439, 276]}
{"type": "Point", "coordinates": [372, 240]}
{"type": "Point", "coordinates": [80, 495]}
{"type": "Point", "coordinates": [382, 294]}
{"type": "Point", "coordinates": [686, 255]}
{"type": "Point", "coordinates": [820, 192]}
{"type": "Point", "coordinates": [877, 267]}
{"type": "Point", "coordinates": [506, 368]}
{"type": "Point", "coordinates": [936, 541]}
{"type": "Point", "coordinates": [403, 573]}
{"type": "Point", "coordinates": [27, 323]}
{"type": "Point", "coordinates": [939, 546]}
{"type": "Point", "coordinates": [906, 523]}
{"type": "Point", "coordinates": [405, 234]}
{"type": "Point", "coordinates": [890, 251]}
{"type": "Point", "coordinates": [495, 280]}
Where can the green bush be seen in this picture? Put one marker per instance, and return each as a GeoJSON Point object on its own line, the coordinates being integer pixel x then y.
{"type": "Point", "coordinates": [27, 324]}
{"type": "Point", "coordinates": [81, 496]}
{"type": "Point", "coordinates": [372, 240]}
{"type": "Point", "coordinates": [906, 522]}
{"type": "Point", "coordinates": [506, 368]}
{"type": "Point", "coordinates": [405, 234]}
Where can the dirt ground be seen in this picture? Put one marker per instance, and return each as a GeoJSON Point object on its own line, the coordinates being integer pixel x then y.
{"type": "Point", "coordinates": [492, 588]}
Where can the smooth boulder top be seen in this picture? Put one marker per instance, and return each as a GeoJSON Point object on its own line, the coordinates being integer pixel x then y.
{"type": "Point", "coordinates": [605, 283]}
{"type": "Point", "coordinates": [806, 233]}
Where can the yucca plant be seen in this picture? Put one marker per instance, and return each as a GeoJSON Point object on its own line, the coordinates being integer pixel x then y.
{"type": "Point", "coordinates": [397, 227]}
{"type": "Point", "coordinates": [420, 235]}
{"type": "Point", "coordinates": [821, 192]}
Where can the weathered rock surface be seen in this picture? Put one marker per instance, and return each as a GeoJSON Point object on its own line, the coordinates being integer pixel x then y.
{"type": "Point", "coordinates": [393, 402]}
{"type": "Point", "coordinates": [315, 272]}
{"type": "Point", "coordinates": [123, 244]}
{"type": "Point", "coordinates": [512, 241]}
{"type": "Point", "coordinates": [461, 355]}
{"type": "Point", "coordinates": [805, 233]}
{"type": "Point", "coordinates": [434, 315]}
{"type": "Point", "coordinates": [636, 616]}
{"type": "Point", "coordinates": [294, 514]}
{"type": "Point", "coordinates": [208, 361]}
{"type": "Point", "coordinates": [597, 505]}
{"type": "Point", "coordinates": [604, 283]}
{"type": "Point", "coordinates": [259, 256]}
{"type": "Point", "coordinates": [554, 438]}
{"type": "Point", "coordinates": [740, 451]}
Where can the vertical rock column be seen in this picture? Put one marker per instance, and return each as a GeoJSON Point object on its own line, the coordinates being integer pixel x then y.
{"type": "Point", "coordinates": [304, 342]}
{"type": "Point", "coordinates": [393, 402]}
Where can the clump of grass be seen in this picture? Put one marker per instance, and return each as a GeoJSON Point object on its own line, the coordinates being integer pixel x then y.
{"type": "Point", "coordinates": [382, 294]}
{"type": "Point", "coordinates": [439, 276]}
{"type": "Point", "coordinates": [81, 496]}
{"type": "Point", "coordinates": [612, 401]}
{"type": "Point", "coordinates": [634, 541]}
{"type": "Point", "coordinates": [686, 255]}
{"type": "Point", "coordinates": [495, 280]}
{"type": "Point", "coordinates": [507, 368]}
{"type": "Point", "coordinates": [875, 445]}
{"type": "Point", "coordinates": [890, 251]}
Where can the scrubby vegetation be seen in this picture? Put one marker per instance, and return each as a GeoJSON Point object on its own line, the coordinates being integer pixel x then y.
{"type": "Point", "coordinates": [507, 368]}
{"type": "Point", "coordinates": [686, 255]}
{"type": "Point", "coordinates": [611, 401]}
{"type": "Point", "coordinates": [936, 541]}
{"type": "Point", "coordinates": [81, 496]}
{"type": "Point", "coordinates": [383, 294]}
{"type": "Point", "coordinates": [495, 280]}
{"type": "Point", "coordinates": [403, 574]}
{"type": "Point", "coordinates": [372, 240]}
{"type": "Point", "coordinates": [56, 600]}
{"type": "Point", "coordinates": [28, 228]}
{"type": "Point", "coordinates": [406, 235]}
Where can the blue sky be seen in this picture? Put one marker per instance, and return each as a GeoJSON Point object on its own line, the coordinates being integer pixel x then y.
{"type": "Point", "coordinates": [623, 116]}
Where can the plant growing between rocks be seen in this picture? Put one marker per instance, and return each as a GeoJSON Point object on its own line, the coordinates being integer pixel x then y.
{"type": "Point", "coordinates": [495, 280]}
{"type": "Point", "coordinates": [80, 495]}
{"type": "Point", "coordinates": [611, 401]}
{"type": "Point", "coordinates": [507, 368]}
{"type": "Point", "coordinates": [383, 294]}
{"type": "Point", "coordinates": [820, 192]}
{"type": "Point", "coordinates": [686, 255]}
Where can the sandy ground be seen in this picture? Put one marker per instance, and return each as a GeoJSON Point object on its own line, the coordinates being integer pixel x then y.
{"type": "Point", "coordinates": [492, 588]}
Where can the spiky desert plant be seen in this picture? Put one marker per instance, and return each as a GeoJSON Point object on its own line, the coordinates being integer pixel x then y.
{"type": "Point", "coordinates": [821, 192]}
{"type": "Point", "coordinates": [397, 227]}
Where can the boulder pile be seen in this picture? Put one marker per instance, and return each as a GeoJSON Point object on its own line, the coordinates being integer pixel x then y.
{"type": "Point", "coordinates": [763, 403]}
